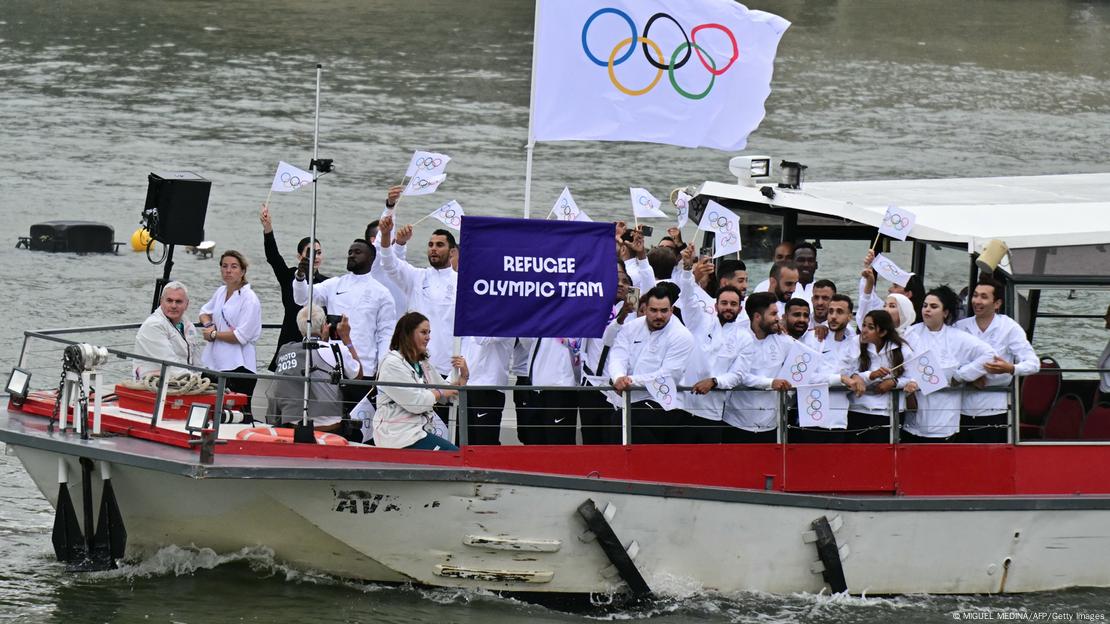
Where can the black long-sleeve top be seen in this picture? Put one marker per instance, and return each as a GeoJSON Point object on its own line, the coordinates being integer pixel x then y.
{"type": "Point", "coordinates": [284, 274]}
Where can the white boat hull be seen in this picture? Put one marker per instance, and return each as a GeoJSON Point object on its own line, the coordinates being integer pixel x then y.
{"type": "Point", "coordinates": [464, 530]}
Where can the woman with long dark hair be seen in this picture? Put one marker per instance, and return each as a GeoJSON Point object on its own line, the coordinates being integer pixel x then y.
{"type": "Point", "coordinates": [960, 355]}
{"type": "Point", "coordinates": [882, 355]}
{"type": "Point", "coordinates": [406, 416]}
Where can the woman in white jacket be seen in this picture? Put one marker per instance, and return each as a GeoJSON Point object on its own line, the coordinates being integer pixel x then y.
{"type": "Point", "coordinates": [883, 353]}
{"type": "Point", "coordinates": [406, 417]}
{"type": "Point", "coordinates": [232, 321]}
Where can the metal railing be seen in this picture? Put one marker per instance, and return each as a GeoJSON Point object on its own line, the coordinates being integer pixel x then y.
{"type": "Point", "coordinates": [462, 421]}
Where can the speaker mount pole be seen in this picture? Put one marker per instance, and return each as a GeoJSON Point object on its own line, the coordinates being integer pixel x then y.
{"type": "Point", "coordinates": [161, 282]}
{"type": "Point", "coordinates": [304, 432]}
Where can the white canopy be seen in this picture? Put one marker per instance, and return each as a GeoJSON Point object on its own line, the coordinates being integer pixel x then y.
{"type": "Point", "coordinates": [1024, 212]}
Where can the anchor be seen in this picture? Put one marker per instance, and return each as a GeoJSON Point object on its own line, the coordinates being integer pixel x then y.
{"type": "Point", "coordinates": [95, 549]}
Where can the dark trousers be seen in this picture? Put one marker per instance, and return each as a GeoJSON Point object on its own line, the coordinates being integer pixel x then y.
{"type": "Point", "coordinates": [700, 430]}
{"type": "Point", "coordinates": [242, 386]}
{"type": "Point", "coordinates": [483, 416]}
{"type": "Point", "coordinates": [982, 429]}
{"type": "Point", "coordinates": [559, 416]}
{"type": "Point", "coordinates": [528, 425]}
{"type": "Point", "coordinates": [652, 424]}
{"type": "Point", "coordinates": [601, 422]}
{"type": "Point", "coordinates": [735, 435]}
{"type": "Point", "coordinates": [867, 428]}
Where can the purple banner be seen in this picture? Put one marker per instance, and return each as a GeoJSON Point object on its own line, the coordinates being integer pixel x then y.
{"type": "Point", "coordinates": [532, 278]}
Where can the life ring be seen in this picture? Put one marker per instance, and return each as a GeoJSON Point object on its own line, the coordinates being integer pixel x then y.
{"type": "Point", "coordinates": [284, 435]}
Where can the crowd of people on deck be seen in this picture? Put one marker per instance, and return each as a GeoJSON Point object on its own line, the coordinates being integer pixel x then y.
{"type": "Point", "coordinates": [675, 316]}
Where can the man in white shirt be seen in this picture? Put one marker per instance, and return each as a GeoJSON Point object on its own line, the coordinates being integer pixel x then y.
{"type": "Point", "coordinates": [1104, 362]}
{"type": "Point", "coordinates": [430, 290]}
{"type": "Point", "coordinates": [166, 335]}
{"type": "Point", "coordinates": [365, 302]}
{"type": "Point", "coordinates": [784, 252]}
{"type": "Point", "coordinates": [839, 351]}
{"type": "Point", "coordinates": [601, 422]}
{"type": "Point", "coordinates": [754, 415]}
{"type": "Point", "coordinates": [487, 358]}
{"type": "Point", "coordinates": [984, 405]}
{"type": "Point", "coordinates": [400, 302]}
{"type": "Point", "coordinates": [652, 346]}
{"type": "Point", "coordinates": [719, 361]}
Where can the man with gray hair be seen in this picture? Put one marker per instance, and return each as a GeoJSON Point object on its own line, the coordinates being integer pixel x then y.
{"type": "Point", "coordinates": [166, 335]}
{"type": "Point", "coordinates": [329, 361]}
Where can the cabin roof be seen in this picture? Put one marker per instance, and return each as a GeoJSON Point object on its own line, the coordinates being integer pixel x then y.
{"type": "Point", "coordinates": [1023, 211]}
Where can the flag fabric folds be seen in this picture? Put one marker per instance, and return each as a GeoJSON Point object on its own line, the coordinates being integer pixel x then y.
{"type": "Point", "coordinates": [888, 270]}
{"type": "Point", "coordinates": [450, 214]}
{"type": "Point", "coordinates": [289, 178]}
{"type": "Point", "coordinates": [427, 163]}
{"type": "Point", "coordinates": [694, 73]}
{"type": "Point", "coordinates": [927, 372]}
{"type": "Point", "coordinates": [897, 222]}
{"type": "Point", "coordinates": [813, 407]}
{"type": "Point", "coordinates": [421, 184]}
{"type": "Point", "coordinates": [800, 366]}
{"type": "Point", "coordinates": [725, 226]}
{"type": "Point", "coordinates": [644, 205]}
{"type": "Point", "coordinates": [565, 208]}
{"type": "Point", "coordinates": [682, 203]}
{"type": "Point", "coordinates": [665, 392]}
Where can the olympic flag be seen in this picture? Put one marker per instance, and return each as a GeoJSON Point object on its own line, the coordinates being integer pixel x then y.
{"type": "Point", "coordinates": [927, 372]}
{"type": "Point", "coordinates": [421, 184]}
{"type": "Point", "coordinates": [813, 406]}
{"type": "Point", "coordinates": [644, 204]}
{"type": "Point", "coordinates": [682, 203]}
{"type": "Point", "coordinates": [450, 214]}
{"type": "Point", "coordinates": [665, 392]}
{"type": "Point", "coordinates": [289, 178]}
{"type": "Point", "coordinates": [897, 222]}
{"type": "Point", "coordinates": [427, 163]}
{"type": "Point", "coordinates": [888, 270]}
{"type": "Point", "coordinates": [801, 366]}
{"type": "Point", "coordinates": [599, 69]}
{"type": "Point", "coordinates": [565, 208]}
{"type": "Point", "coordinates": [725, 226]}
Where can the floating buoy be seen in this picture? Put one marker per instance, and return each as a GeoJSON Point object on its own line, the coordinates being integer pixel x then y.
{"type": "Point", "coordinates": [140, 239]}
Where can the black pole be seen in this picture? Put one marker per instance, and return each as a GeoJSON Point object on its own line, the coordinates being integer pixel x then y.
{"type": "Point", "coordinates": [162, 281]}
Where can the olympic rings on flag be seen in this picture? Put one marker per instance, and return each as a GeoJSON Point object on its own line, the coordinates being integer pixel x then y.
{"type": "Point", "coordinates": [663, 390]}
{"type": "Point", "coordinates": [800, 366]}
{"type": "Point", "coordinates": [813, 405]}
{"type": "Point", "coordinates": [927, 371]}
{"type": "Point", "coordinates": [451, 217]}
{"type": "Point", "coordinates": [723, 228]}
{"type": "Point", "coordinates": [422, 182]}
{"type": "Point", "coordinates": [292, 181]}
{"type": "Point", "coordinates": [659, 62]}
{"type": "Point", "coordinates": [429, 163]}
{"type": "Point", "coordinates": [898, 222]}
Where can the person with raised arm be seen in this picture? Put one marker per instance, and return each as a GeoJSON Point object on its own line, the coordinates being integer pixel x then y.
{"type": "Point", "coordinates": [284, 273]}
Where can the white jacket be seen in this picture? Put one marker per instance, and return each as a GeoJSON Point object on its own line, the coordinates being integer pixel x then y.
{"type": "Point", "coordinates": [158, 338]}
{"type": "Point", "coordinates": [405, 415]}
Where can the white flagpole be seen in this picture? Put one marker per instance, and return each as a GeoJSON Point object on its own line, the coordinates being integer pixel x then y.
{"type": "Point", "coordinates": [531, 113]}
{"type": "Point", "coordinates": [312, 247]}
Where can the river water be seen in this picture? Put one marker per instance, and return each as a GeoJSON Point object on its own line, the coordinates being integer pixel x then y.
{"type": "Point", "coordinates": [96, 94]}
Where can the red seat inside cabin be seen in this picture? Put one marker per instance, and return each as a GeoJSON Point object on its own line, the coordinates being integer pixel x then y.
{"type": "Point", "coordinates": [1038, 395]}
{"type": "Point", "coordinates": [1097, 424]}
{"type": "Point", "coordinates": [1065, 421]}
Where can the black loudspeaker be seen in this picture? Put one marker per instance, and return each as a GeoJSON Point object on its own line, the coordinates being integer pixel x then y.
{"type": "Point", "coordinates": [176, 204]}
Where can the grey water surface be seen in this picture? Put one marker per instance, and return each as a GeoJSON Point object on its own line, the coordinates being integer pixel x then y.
{"type": "Point", "coordinates": [96, 94]}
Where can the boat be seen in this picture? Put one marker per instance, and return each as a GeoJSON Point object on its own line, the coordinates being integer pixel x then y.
{"type": "Point", "coordinates": [598, 522]}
